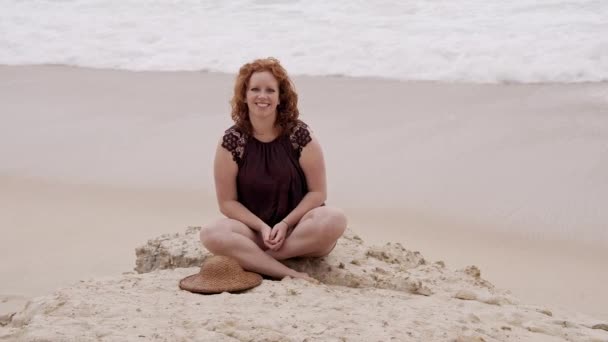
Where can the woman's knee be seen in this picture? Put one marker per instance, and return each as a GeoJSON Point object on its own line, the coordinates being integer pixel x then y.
{"type": "Point", "coordinates": [332, 223]}
{"type": "Point", "coordinates": [216, 236]}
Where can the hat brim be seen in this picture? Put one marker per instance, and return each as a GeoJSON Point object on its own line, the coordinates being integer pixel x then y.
{"type": "Point", "coordinates": [199, 284]}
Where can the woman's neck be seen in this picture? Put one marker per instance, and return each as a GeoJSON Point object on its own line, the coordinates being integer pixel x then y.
{"type": "Point", "coordinates": [264, 128]}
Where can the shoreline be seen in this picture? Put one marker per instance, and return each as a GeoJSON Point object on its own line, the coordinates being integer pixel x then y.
{"type": "Point", "coordinates": [302, 76]}
{"type": "Point", "coordinates": [128, 155]}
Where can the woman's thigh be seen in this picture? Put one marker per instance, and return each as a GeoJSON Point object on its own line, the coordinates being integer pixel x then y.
{"type": "Point", "coordinates": [239, 228]}
{"type": "Point", "coordinates": [325, 213]}
{"type": "Point", "coordinates": [327, 223]}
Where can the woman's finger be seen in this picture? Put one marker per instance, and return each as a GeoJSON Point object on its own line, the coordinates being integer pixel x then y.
{"type": "Point", "coordinates": [278, 245]}
{"type": "Point", "coordinates": [277, 237]}
{"type": "Point", "coordinates": [276, 232]}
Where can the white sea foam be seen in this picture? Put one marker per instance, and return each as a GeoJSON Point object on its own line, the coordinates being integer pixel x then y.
{"type": "Point", "coordinates": [461, 40]}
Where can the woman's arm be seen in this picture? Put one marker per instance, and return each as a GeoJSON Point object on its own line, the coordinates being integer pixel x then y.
{"type": "Point", "coordinates": [225, 171]}
{"type": "Point", "coordinates": [313, 165]}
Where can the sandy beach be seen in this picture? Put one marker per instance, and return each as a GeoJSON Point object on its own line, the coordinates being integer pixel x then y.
{"type": "Point", "coordinates": [511, 178]}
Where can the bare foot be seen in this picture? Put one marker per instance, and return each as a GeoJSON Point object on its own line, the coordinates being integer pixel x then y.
{"type": "Point", "coordinates": [305, 276]}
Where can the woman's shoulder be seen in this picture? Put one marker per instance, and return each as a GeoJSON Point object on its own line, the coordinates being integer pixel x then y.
{"type": "Point", "coordinates": [234, 130]}
{"type": "Point", "coordinates": [234, 140]}
{"type": "Point", "coordinates": [300, 135]}
{"type": "Point", "coordinates": [299, 127]}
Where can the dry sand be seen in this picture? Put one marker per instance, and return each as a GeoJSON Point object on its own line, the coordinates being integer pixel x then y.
{"type": "Point", "coordinates": [511, 178]}
{"type": "Point", "coordinates": [367, 293]}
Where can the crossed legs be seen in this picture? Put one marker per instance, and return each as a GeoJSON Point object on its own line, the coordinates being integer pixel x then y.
{"type": "Point", "coordinates": [315, 235]}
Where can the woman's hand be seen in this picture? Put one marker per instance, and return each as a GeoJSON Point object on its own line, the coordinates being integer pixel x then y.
{"type": "Point", "coordinates": [266, 232]}
{"type": "Point", "coordinates": [277, 235]}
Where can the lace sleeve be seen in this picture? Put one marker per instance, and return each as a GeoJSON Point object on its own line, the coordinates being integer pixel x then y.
{"type": "Point", "coordinates": [234, 141]}
{"type": "Point", "coordinates": [300, 137]}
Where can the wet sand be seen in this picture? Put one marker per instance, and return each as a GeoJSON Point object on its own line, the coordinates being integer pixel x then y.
{"type": "Point", "coordinates": [510, 178]}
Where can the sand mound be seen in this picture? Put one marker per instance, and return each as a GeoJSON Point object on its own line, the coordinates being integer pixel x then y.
{"type": "Point", "coordinates": [352, 264]}
{"type": "Point", "coordinates": [368, 294]}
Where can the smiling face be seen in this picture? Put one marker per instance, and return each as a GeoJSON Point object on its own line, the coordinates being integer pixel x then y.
{"type": "Point", "coordinates": [262, 95]}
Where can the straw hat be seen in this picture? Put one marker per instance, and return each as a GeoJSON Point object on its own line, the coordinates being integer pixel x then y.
{"type": "Point", "coordinates": [220, 274]}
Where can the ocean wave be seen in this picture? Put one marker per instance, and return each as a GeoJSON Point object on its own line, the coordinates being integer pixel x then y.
{"type": "Point", "coordinates": [462, 41]}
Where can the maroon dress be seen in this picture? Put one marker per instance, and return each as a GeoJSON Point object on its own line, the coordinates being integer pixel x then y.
{"type": "Point", "coordinates": [270, 181]}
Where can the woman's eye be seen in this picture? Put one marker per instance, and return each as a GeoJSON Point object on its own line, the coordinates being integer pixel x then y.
{"type": "Point", "coordinates": [254, 89]}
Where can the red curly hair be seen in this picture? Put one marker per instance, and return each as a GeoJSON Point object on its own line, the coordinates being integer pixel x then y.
{"type": "Point", "coordinates": [287, 110]}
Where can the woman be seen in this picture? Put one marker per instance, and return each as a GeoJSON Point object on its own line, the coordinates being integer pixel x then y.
{"type": "Point", "coordinates": [270, 179]}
